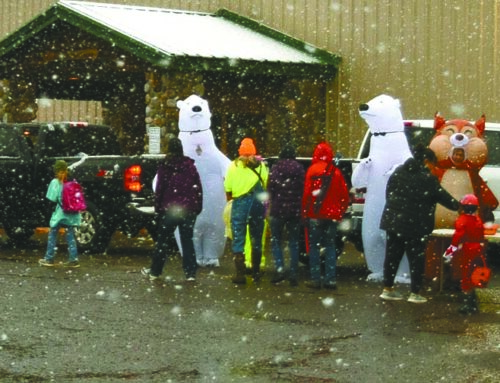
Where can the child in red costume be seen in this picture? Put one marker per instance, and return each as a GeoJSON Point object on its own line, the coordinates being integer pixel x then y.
{"type": "Point", "coordinates": [466, 246]}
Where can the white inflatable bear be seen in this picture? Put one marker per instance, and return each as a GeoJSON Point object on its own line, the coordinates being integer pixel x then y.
{"type": "Point", "coordinates": [388, 149]}
{"type": "Point", "coordinates": [199, 144]}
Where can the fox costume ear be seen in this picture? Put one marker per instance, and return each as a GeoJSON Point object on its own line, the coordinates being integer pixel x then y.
{"type": "Point", "coordinates": [481, 124]}
{"type": "Point", "coordinates": [439, 121]}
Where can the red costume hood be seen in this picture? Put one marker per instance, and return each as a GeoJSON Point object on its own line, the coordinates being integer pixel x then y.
{"type": "Point", "coordinates": [322, 152]}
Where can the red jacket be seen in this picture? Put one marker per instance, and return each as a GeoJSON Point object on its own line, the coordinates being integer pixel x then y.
{"type": "Point", "coordinates": [468, 228]}
{"type": "Point", "coordinates": [469, 233]}
{"type": "Point", "coordinates": [336, 200]}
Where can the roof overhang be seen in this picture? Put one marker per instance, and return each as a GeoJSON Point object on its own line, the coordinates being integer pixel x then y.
{"type": "Point", "coordinates": [176, 40]}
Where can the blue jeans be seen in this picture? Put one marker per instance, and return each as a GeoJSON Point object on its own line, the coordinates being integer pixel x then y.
{"type": "Point", "coordinates": [247, 210]}
{"type": "Point", "coordinates": [169, 220]}
{"type": "Point", "coordinates": [293, 226]}
{"type": "Point", "coordinates": [70, 239]}
{"type": "Point", "coordinates": [322, 234]}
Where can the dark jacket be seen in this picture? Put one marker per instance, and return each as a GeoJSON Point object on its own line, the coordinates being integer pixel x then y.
{"type": "Point", "coordinates": [411, 197]}
{"type": "Point", "coordinates": [285, 187]}
{"type": "Point", "coordinates": [335, 200]}
{"type": "Point", "coordinates": [178, 184]}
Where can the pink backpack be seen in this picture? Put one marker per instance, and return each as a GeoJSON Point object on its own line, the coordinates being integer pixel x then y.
{"type": "Point", "coordinates": [73, 200]}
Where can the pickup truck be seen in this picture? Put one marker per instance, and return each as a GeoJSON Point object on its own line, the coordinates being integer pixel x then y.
{"type": "Point", "coordinates": [110, 180]}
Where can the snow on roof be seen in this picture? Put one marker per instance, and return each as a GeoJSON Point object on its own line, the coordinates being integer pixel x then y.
{"type": "Point", "coordinates": [186, 33]}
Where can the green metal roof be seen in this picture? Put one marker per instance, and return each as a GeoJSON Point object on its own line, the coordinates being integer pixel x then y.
{"type": "Point", "coordinates": [223, 41]}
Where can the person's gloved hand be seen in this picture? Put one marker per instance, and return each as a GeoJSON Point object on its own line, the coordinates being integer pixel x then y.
{"type": "Point", "coordinates": [448, 254]}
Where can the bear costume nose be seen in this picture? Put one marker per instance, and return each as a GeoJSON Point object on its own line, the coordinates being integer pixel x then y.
{"type": "Point", "coordinates": [196, 108]}
{"type": "Point", "coordinates": [459, 140]}
{"type": "Point", "coordinates": [363, 107]}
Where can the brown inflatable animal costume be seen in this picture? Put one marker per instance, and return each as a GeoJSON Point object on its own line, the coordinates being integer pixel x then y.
{"type": "Point", "coordinates": [461, 152]}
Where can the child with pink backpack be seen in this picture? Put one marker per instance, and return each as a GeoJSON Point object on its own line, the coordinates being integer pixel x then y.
{"type": "Point", "coordinates": [64, 216]}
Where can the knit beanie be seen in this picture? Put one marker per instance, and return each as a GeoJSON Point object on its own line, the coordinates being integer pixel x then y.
{"type": "Point", "coordinates": [247, 148]}
{"type": "Point", "coordinates": [60, 165]}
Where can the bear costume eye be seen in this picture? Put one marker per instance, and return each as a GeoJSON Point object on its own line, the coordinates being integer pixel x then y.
{"type": "Point", "coordinates": [449, 130]}
{"type": "Point", "coordinates": [469, 132]}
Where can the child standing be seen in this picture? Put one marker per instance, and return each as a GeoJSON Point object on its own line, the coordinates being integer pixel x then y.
{"type": "Point", "coordinates": [60, 219]}
{"type": "Point", "coordinates": [467, 244]}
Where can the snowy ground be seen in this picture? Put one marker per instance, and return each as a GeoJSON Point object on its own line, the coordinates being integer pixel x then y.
{"type": "Point", "coordinates": [105, 323]}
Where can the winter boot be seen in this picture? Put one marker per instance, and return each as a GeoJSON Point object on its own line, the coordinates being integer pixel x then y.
{"type": "Point", "coordinates": [256, 259]}
{"type": "Point", "coordinates": [470, 304]}
{"type": "Point", "coordinates": [239, 264]}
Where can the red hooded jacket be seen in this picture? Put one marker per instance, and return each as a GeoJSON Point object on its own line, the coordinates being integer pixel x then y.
{"type": "Point", "coordinates": [336, 200]}
{"type": "Point", "coordinates": [469, 232]}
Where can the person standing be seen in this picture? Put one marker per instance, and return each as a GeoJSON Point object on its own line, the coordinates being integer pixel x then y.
{"type": "Point", "coordinates": [285, 187]}
{"type": "Point", "coordinates": [178, 201]}
{"type": "Point", "coordinates": [467, 245]}
{"type": "Point", "coordinates": [408, 218]}
{"type": "Point", "coordinates": [324, 202]}
{"type": "Point", "coordinates": [245, 184]}
{"type": "Point", "coordinates": [60, 219]}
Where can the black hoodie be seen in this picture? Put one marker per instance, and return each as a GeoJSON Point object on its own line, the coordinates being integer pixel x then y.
{"type": "Point", "coordinates": [411, 197]}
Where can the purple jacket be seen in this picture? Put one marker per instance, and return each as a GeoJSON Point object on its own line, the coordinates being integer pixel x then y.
{"type": "Point", "coordinates": [178, 184]}
{"type": "Point", "coordinates": [285, 186]}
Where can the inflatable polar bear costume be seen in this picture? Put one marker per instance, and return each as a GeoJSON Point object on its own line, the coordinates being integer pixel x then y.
{"type": "Point", "coordinates": [388, 149]}
{"type": "Point", "coordinates": [199, 144]}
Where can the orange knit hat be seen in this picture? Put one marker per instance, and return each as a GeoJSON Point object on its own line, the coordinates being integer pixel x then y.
{"type": "Point", "coordinates": [247, 148]}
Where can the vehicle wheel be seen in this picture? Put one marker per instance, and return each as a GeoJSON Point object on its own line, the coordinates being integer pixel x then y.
{"type": "Point", "coordinates": [18, 234]}
{"type": "Point", "coordinates": [94, 234]}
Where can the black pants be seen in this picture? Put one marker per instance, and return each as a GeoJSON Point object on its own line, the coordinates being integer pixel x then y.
{"type": "Point", "coordinates": [169, 220]}
{"type": "Point", "coordinates": [396, 247]}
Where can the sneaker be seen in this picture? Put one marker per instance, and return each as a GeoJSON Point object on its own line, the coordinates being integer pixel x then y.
{"type": "Point", "coordinates": [72, 264]}
{"type": "Point", "coordinates": [191, 279]}
{"type": "Point", "coordinates": [391, 295]}
{"type": "Point", "coordinates": [147, 273]}
{"type": "Point", "coordinates": [415, 298]}
{"type": "Point", "coordinates": [278, 278]}
{"type": "Point", "coordinates": [256, 277]}
{"type": "Point", "coordinates": [330, 285]}
{"type": "Point", "coordinates": [313, 284]}
{"type": "Point", "coordinates": [45, 262]}
{"type": "Point", "coordinates": [468, 309]}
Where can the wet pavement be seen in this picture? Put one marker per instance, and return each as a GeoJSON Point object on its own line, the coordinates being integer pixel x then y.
{"type": "Point", "coordinates": [105, 322]}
